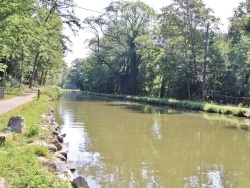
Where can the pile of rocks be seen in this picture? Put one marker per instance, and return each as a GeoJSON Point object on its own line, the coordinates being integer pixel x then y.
{"type": "Point", "coordinates": [60, 166]}
{"type": "Point", "coordinates": [55, 144]}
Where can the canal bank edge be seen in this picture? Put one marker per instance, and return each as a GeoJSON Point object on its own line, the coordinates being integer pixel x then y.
{"type": "Point", "coordinates": [184, 104]}
{"type": "Point", "coordinates": [27, 153]}
{"type": "Point", "coordinates": [59, 162]}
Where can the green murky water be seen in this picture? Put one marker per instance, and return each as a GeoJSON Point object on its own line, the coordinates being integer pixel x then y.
{"type": "Point", "coordinates": [125, 144]}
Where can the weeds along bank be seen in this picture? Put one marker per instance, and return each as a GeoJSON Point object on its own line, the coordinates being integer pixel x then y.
{"type": "Point", "coordinates": [186, 104]}
{"type": "Point", "coordinates": [19, 163]}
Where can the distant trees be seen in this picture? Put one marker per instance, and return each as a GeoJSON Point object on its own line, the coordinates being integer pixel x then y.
{"type": "Point", "coordinates": [134, 51]}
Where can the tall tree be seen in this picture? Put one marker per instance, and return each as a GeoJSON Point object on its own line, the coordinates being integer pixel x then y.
{"type": "Point", "coordinates": [238, 55]}
{"type": "Point", "coordinates": [48, 11]}
{"type": "Point", "coordinates": [114, 43]}
{"type": "Point", "coordinates": [183, 24]}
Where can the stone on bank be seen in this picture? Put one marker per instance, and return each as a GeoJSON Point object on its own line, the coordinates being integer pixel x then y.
{"type": "Point", "coordinates": [17, 124]}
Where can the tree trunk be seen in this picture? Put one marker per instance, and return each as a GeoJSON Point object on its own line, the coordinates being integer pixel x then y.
{"type": "Point", "coordinates": [41, 78]}
{"type": "Point", "coordinates": [205, 66]}
{"type": "Point", "coordinates": [45, 77]}
{"type": "Point", "coordinates": [34, 69]}
{"type": "Point", "coordinates": [163, 85]}
{"type": "Point", "coordinates": [21, 76]}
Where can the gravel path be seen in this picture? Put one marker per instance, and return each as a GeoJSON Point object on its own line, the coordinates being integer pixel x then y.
{"type": "Point", "coordinates": [7, 105]}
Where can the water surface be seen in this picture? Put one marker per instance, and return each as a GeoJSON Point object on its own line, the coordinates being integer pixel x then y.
{"type": "Point", "coordinates": [125, 144]}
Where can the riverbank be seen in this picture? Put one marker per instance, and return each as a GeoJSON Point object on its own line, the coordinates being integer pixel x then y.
{"type": "Point", "coordinates": [184, 104]}
{"type": "Point", "coordinates": [19, 164]}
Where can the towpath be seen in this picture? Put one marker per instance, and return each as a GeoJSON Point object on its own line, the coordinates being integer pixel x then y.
{"type": "Point", "coordinates": [9, 104]}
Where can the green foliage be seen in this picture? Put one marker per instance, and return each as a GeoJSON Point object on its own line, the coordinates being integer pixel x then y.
{"type": "Point", "coordinates": [2, 67]}
{"type": "Point", "coordinates": [54, 92]}
{"type": "Point", "coordinates": [32, 132]}
{"type": "Point", "coordinates": [39, 179]}
{"type": "Point", "coordinates": [38, 150]}
{"type": "Point", "coordinates": [164, 56]}
{"type": "Point", "coordinates": [32, 40]}
{"type": "Point", "coordinates": [114, 51]}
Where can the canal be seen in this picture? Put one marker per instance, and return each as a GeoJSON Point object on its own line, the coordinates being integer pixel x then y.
{"type": "Point", "coordinates": [124, 144]}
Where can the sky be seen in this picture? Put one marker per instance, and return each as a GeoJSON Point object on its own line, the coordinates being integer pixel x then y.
{"type": "Point", "coordinates": [222, 9]}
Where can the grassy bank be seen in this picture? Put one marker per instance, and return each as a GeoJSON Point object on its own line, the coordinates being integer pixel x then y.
{"type": "Point", "coordinates": [19, 163]}
{"type": "Point", "coordinates": [13, 92]}
{"type": "Point", "coordinates": [186, 104]}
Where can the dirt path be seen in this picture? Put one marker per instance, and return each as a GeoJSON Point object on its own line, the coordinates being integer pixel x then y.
{"type": "Point", "coordinates": [7, 105]}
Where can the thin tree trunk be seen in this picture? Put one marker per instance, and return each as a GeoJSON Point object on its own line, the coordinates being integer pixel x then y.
{"type": "Point", "coordinates": [163, 85]}
{"type": "Point", "coordinates": [205, 65]}
{"type": "Point", "coordinates": [44, 78]}
{"type": "Point", "coordinates": [34, 69]}
{"type": "Point", "coordinates": [21, 76]}
{"type": "Point", "coordinates": [41, 78]}
{"type": "Point", "coordinates": [189, 92]}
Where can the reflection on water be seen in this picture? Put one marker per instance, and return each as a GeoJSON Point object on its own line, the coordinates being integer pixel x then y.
{"type": "Point", "coordinates": [156, 127]}
{"type": "Point", "coordinates": [124, 144]}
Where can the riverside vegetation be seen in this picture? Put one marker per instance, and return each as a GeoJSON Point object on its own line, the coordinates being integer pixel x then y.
{"type": "Point", "coordinates": [19, 163]}
{"type": "Point", "coordinates": [187, 104]}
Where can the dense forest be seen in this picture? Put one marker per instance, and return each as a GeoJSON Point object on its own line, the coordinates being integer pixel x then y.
{"type": "Point", "coordinates": [179, 52]}
{"type": "Point", "coordinates": [32, 43]}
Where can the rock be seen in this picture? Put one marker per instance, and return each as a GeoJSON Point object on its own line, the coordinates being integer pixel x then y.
{"type": "Point", "coordinates": [61, 166]}
{"type": "Point", "coordinates": [63, 153]}
{"type": "Point", "coordinates": [51, 111]}
{"type": "Point", "coordinates": [55, 133]}
{"type": "Point", "coordinates": [52, 165]}
{"type": "Point", "coordinates": [60, 156]}
{"type": "Point", "coordinates": [17, 123]}
{"type": "Point", "coordinates": [52, 147]}
{"type": "Point", "coordinates": [54, 126]}
{"type": "Point", "coordinates": [66, 176]}
{"type": "Point", "coordinates": [5, 136]}
{"type": "Point", "coordinates": [59, 138]}
{"type": "Point", "coordinates": [57, 144]}
{"type": "Point", "coordinates": [3, 183]}
{"type": "Point", "coordinates": [72, 168]}
{"type": "Point", "coordinates": [79, 182]}
{"type": "Point", "coordinates": [51, 119]}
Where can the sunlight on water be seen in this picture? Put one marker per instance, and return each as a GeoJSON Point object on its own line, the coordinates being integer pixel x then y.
{"type": "Point", "coordinates": [125, 144]}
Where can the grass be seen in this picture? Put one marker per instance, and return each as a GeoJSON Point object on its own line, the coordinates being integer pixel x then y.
{"type": "Point", "coordinates": [13, 92]}
{"type": "Point", "coordinates": [187, 104]}
{"type": "Point", "coordinates": [19, 163]}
